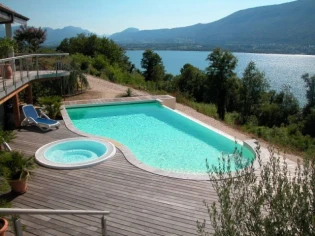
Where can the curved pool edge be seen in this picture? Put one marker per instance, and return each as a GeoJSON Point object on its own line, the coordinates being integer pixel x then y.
{"type": "Point", "coordinates": [41, 160]}
{"type": "Point", "coordinates": [131, 158]}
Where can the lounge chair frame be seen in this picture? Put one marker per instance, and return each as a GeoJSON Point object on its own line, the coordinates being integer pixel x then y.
{"type": "Point", "coordinates": [28, 120]}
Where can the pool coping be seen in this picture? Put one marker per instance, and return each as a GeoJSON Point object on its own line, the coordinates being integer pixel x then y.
{"type": "Point", "coordinates": [130, 157]}
{"type": "Point", "coordinates": [41, 160]}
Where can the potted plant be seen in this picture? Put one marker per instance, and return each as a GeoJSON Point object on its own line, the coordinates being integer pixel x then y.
{"type": "Point", "coordinates": [3, 226]}
{"type": "Point", "coordinates": [16, 168]}
{"type": "Point", "coordinates": [3, 204]}
{"type": "Point", "coordinates": [6, 46]}
{"type": "Point", "coordinates": [3, 222]}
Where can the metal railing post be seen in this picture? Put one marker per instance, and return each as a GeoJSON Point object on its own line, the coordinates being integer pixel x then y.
{"type": "Point", "coordinates": [104, 227]}
{"type": "Point", "coordinates": [17, 227]}
{"type": "Point", "coordinates": [27, 70]}
{"type": "Point", "coordinates": [3, 79]}
{"type": "Point", "coordinates": [57, 61]}
{"type": "Point", "coordinates": [21, 69]}
{"type": "Point", "coordinates": [17, 223]}
{"type": "Point", "coordinates": [13, 73]}
{"type": "Point", "coordinates": [37, 67]}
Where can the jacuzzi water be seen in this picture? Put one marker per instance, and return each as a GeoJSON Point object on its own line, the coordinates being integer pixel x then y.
{"type": "Point", "coordinates": [158, 136]}
{"type": "Point", "coordinates": [75, 151]}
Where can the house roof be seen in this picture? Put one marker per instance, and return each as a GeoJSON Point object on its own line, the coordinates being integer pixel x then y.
{"type": "Point", "coordinates": [7, 15]}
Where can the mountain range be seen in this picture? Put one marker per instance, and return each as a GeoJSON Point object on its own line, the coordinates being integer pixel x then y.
{"type": "Point", "coordinates": [284, 24]}
{"type": "Point", "coordinates": [55, 36]}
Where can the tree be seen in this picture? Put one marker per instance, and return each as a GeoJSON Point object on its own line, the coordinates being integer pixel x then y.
{"type": "Point", "coordinates": [253, 86]}
{"type": "Point", "coordinates": [309, 123]}
{"type": "Point", "coordinates": [64, 46]}
{"type": "Point", "coordinates": [310, 89]}
{"type": "Point", "coordinates": [222, 64]}
{"type": "Point", "coordinates": [278, 201]}
{"type": "Point", "coordinates": [309, 109]}
{"type": "Point", "coordinates": [191, 82]}
{"type": "Point", "coordinates": [6, 46]}
{"type": "Point", "coordinates": [93, 46]}
{"type": "Point", "coordinates": [152, 63]}
{"type": "Point", "coordinates": [29, 39]}
{"type": "Point", "coordinates": [277, 108]}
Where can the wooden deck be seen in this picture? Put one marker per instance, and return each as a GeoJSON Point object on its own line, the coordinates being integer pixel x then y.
{"type": "Point", "coordinates": [141, 203]}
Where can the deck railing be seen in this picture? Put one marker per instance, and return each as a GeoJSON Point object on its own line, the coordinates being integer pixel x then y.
{"type": "Point", "coordinates": [32, 66]}
{"type": "Point", "coordinates": [17, 211]}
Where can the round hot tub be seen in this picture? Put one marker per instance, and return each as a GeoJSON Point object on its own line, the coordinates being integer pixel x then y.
{"type": "Point", "coordinates": [74, 153]}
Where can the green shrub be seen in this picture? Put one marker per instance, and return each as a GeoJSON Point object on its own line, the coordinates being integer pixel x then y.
{"type": "Point", "coordinates": [6, 136]}
{"type": "Point", "coordinates": [15, 165]}
{"type": "Point", "coordinates": [276, 202]}
{"type": "Point", "coordinates": [204, 108]}
{"type": "Point", "coordinates": [232, 118]}
{"type": "Point", "coordinates": [80, 61]}
{"type": "Point", "coordinates": [99, 62]}
{"type": "Point", "coordinates": [127, 93]}
{"type": "Point", "coordinates": [7, 46]}
{"type": "Point", "coordinates": [51, 105]}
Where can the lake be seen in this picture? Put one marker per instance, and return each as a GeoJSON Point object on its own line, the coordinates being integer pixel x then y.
{"type": "Point", "coordinates": [279, 69]}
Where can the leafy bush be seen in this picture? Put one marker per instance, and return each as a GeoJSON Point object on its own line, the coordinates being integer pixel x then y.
{"type": "Point", "coordinates": [128, 93]}
{"type": "Point", "coordinates": [51, 105]}
{"type": "Point", "coordinates": [6, 136]}
{"type": "Point", "coordinates": [309, 123]}
{"type": "Point", "coordinates": [6, 46]}
{"type": "Point", "coordinates": [288, 137]}
{"type": "Point", "coordinates": [276, 202]}
{"type": "Point", "coordinates": [15, 165]}
{"type": "Point", "coordinates": [204, 108]}
{"type": "Point", "coordinates": [99, 62]}
{"type": "Point", "coordinates": [81, 61]}
{"type": "Point", "coordinates": [232, 118]}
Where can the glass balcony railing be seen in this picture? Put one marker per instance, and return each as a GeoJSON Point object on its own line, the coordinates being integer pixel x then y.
{"type": "Point", "coordinates": [20, 70]}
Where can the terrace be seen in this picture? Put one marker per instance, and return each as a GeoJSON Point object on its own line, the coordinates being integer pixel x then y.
{"type": "Point", "coordinates": [140, 202]}
{"type": "Point", "coordinates": [30, 68]}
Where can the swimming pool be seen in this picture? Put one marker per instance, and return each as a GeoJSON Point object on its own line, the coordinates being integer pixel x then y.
{"type": "Point", "coordinates": [157, 136]}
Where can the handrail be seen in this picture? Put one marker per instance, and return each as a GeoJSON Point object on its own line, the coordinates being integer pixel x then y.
{"type": "Point", "coordinates": [51, 211]}
{"type": "Point", "coordinates": [19, 70]}
{"type": "Point", "coordinates": [17, 223]}
{"type": "Point", "coordinates": [33, 55]}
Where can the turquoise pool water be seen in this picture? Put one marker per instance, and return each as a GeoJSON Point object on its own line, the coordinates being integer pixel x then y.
{"type": "Point", "coordinates": [75, 151]}
{"type": "Point", "coordinates": [157, 136]}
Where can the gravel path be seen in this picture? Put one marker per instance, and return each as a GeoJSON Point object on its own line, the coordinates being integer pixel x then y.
{"type": "Point", "coordinates": [100, 88]}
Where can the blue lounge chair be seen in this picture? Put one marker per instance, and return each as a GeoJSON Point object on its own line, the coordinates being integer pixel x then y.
{"type": "Point", "coordinates": [42, 121]}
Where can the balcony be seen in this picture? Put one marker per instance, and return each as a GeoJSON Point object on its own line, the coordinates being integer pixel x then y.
{"type": "Point", "coordinates": [30, 68]}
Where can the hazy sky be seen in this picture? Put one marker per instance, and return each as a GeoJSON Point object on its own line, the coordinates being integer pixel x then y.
{"type": "Point", "coordinates": [111, 16]}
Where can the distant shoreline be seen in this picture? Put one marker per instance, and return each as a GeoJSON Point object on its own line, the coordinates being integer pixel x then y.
{"type": "Point", "coordinates": [262, 49]}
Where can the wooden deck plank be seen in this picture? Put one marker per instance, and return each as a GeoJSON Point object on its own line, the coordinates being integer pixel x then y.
{"type": "Point", "coordinates": [141, 203]}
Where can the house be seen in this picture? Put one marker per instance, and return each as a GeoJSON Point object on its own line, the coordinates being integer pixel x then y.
{"type": "Point", "coordinates": [25, 70]}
